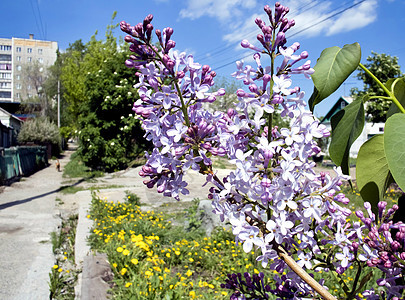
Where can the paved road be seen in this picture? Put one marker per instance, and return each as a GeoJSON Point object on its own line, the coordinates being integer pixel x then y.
{"type": "Point", "coordinates": [27, 216]}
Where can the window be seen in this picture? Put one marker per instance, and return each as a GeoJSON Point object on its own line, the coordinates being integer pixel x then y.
{"type": "Point", "coordinates": [39, 51]}
{"type": "Point", "coordinates": [18, 95]}
{"type": "Point", "coordinates": [18, 77]}
{"type": "Point", "coordinates": [18, 86]}
{"type": "Point", "coordinates": [40, 60]}
{"type": "Point", "coordinates": [29, 95]}
{"type": "Point", "coordinates": [29, 50]}
{"type": "Point", "coordinates": [342, 104]}
{"type": "Point", "coordinates": [5, 75]}
{"type": "Point", "coordinates": [18, 58]}
{"type": "Point", "coordinates": [381, 129]}
{"type": "Point", "coordinates": [28, 87]}
{"type": "Point", "coordinates": [29, 59]}
{"type": "Point", "coordinates": [18, 49]}
{"type": "Point", "coordinates": [5, 48]}
{"type": "Point", "coordinates": [5, 66]}
{"type": "Point", "coordinates": [19, 68]}
{"type": "Point", "coordinates": [5, 94]}
{"type": "Point", "coordinates": [5, 85]}
{"type": "Point", "coordinates": [5, 57]}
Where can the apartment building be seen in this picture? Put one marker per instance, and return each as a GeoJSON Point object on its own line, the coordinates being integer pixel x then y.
{"type": "Point", "coordinates": [16, 56]}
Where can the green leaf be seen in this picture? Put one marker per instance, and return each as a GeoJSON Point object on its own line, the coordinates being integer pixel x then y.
{"type": "Point", "coordinates": [313, 99]}
{"type": "Point", "coordinates": [332, 69]}
{"type": "Point", "coordinates": [363, 282]}
{"type": "Point", "coordinates": [372, 173]}
{"type": "Point", "coordinates": [399, 92]}
{"type": "Point", "coordinates": [394, 146]}
{"type": "Point", "coordinates": [347, 125]}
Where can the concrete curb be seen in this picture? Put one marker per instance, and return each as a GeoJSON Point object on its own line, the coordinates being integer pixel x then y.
{"type": "Point", "coordinates": [82, 249]}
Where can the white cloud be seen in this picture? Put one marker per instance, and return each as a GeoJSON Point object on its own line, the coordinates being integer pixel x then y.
{"type": "Point", "coordinates": [354, 18]}
{"type": "Point", "coordinates": [307, 13]}
{"type": "Point", "coordinates": [246, 30]}
{"type": "Point", "coordinates": [223, 10]}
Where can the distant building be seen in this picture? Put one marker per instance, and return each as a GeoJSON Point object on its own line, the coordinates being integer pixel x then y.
{"type": "Point", "coordinates": [369, 130]}
{"type": "Point", "coordinates": [15, 55]}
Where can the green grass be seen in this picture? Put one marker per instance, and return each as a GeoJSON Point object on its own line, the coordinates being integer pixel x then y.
{"type": "Point", "coordinates": [72, 189]}
{"type": "Point", "coordinates": [75, 168]}
{"type": "Point", "coordinates": [68, 189]}
{"type": "Point", "coordinates": [222, 163]}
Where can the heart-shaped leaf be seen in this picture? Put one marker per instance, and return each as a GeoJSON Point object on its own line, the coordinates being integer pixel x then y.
{"type": "Point", "coordinates": [372, 173]}
{"type": "Point", "coordinates": [347, 125]}
{"type": "Point", "coordinates": [332, 69]}
{"type": "Point", "coordinates": [394, 147]}
{"type": "Point", "coordinates": [399, 92]}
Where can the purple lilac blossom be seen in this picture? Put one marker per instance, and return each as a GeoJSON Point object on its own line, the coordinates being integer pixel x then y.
{"type": "Point", "coordinates": [273, 198]}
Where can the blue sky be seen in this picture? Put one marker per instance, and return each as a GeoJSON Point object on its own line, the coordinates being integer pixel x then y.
{"type": "Point", "coordinates": [212, 29]}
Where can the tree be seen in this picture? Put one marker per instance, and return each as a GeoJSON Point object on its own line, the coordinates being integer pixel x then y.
{"type": "Point", "coordinates": [34, 97]}
{"type": "Point", "coordinates": [227, 101]}
{"type": "Point", "coordinates": [99, 90]}
{"type": "Point", "coordinates": [384, 67]}
{"type": "Point", "coordinates": [40, 131]}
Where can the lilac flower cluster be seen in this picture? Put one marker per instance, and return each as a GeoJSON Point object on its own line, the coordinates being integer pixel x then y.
{"type": "Point", "coordinates": [247, 286]}
{"type": "Point", "coordinates": [274, 200]}
{"type": "Point", "coordinates": [383, 244]}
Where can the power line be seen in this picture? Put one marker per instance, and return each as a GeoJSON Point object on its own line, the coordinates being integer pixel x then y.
{"type": "Point", "coordinates": [306, 28]}
{"type": "Point", "coordinates": [221, 49]}
{"type": "Point", "coordinates": [39, 24]}
{"type": "Point", "coordinates": [40, 21]}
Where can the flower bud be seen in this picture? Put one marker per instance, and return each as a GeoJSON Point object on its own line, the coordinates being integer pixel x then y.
{"type": "Point", "coordinates": [170, 45]}
{"type": "Point", "coordinates": [231, 112]}
{"type": "Point", "coordinates": [129, 39]}
{"type": "Point", "coordinates": [240, 93]}
{"type": "Point", "coordinates": [253, 88]}
{"type": "Point", "coordinates": [267, 8]}
{"type": "Point", "coordinates": [124, 26]}
{"type": "Point", "coordinates": [395, 245]}
{"type": "Point", "coordinates": [304, 55]}
{"type": "Point", "coordinates": [245, 44]}
{"type": "Point", "coordinates": [180, 74]}
{"type": "Point", "coordinates": [139, 29]}
{"type": "Point", "coordinates": [260, 38]}
{"type": "Point", "coordinates": [148, 19]}
{"type": "Point", "coordinates": [259, 22]}
{"type": "Point", "coordinates": [149, 29]}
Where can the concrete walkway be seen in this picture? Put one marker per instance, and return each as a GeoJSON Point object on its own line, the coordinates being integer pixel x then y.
{"type": "Point", "coordinates": [27, 217]}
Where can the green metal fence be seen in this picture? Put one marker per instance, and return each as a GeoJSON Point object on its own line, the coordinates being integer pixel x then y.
{"type": "Point", "coordinates": [21, 161]}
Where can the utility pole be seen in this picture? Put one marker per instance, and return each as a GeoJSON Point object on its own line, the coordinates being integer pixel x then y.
{"type": "Point", "coordinates": [58, 104]}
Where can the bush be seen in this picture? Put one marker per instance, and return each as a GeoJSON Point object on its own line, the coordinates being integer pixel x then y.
{"type": "Point", "coordinates": [39, 131]}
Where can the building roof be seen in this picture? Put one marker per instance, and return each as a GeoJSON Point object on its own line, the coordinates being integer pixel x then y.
{"type": "Point", "coordinates": [342, 102]}
{"type": "Point", "coordinates": [5, 112]}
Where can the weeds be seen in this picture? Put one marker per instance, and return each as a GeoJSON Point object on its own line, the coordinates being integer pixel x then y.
{"type": "Point", "coordinates": [63, 275]}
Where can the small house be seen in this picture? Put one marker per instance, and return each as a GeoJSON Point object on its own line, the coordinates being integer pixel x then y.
{"type": "Point", "coordinates": [369, 130]}
{"type": "Point", "coordinates": [10, 127]}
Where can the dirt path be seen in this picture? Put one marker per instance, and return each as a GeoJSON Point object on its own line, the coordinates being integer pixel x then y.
{"type": "Point", "coordinates": [27, 216]}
